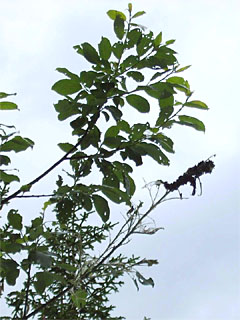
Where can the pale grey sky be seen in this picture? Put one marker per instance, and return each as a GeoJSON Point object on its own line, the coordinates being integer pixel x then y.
{"type": "Point", "coordinates": [198, 252]}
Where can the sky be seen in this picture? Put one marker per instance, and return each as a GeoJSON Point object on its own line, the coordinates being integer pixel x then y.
{"type": "Point", "coordinates": [198, 250]}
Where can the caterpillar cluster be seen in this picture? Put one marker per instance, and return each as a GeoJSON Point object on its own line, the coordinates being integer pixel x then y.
{"type": "Point", "coordinates": [190, 176]}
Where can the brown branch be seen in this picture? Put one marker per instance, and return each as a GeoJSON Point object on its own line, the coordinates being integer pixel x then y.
{"type": "Point", "coordinates": [16, 193]}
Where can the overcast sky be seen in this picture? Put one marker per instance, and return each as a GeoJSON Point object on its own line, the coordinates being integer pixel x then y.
{"type": "Point", "coordinates": [198, 252]}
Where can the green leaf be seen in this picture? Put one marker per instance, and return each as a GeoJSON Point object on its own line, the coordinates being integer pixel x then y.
{"type": "Point", "coordinates": [191, 122]}
{"type": "Point", "coordinates": [138, 14]}
{"type": "Point", "coordinates": [114, 13]}
{"type": "Point", "coordinates": [164, 141]}
{"type": "Point", "coordinates": [10, 270]}
{"type": "Point", "coordinates": [66, 109]}
{"type": "Point", "coordinates": [79, 298]}
{"type": "Point", "coordinates": [152, 151]}
{"type": "Point", "coordinates": [116, 113]}
{"type": "Point", "coordinates": [144, 45]}
{"type": "Point", "coordinates": [67, 267]}
{"type": "Point", "coordinates": [69, 74]}
{"type": "Point", "coordinates": [170, 42]}
{"type": "Point", "coordinates": [66, 87]}
{"type": "Point", "coordinates": [101, 206]}
{"type": "Point", "coordinates": [138, 102]}
{"type": "Point", "coordinates": [43, 280]}
{"type": "Point", "coordinates": [105, 48]}
{"type": "Point", "coordinates": [5, 105]}
{"type": "Point", "coordinates": [26, 187]}
{"type": "Point", "coordinates": [4, 95]}
{"type": "Point", "coordinates": [37, 222]}
{"type": "Point", "coordinates": [15, 220]}
{"type": "Point", "coordinates": [8, 178]}
{"type": "Point", "coordinates": [180, 84]}
{"type": "Point", "coordinates": [42, 258]}
{"type": "Point", "coordinates": [66, 147]}
{"type": "Point", "coordinates": [157, 41]}
{"type": "Point", "coordinates": [196, 104]}
{"type": "Point", "coordinates": [114, 194]}
{"type": "Point", "coordinates": [130, 7]}
{"type": "Point", "coordinates": [137, 76]}
{"type": "Point", "coordinates": [90, 53]}
{"type": "Point", "coordinates": [182, 69]}
{"type": "Point", "coordinates": [117, 49]}
{"type": "Point", "coordinates": [119, 27]}
{"type": "Point", "coordinates": [4, 160]}
{"type": "Point", "coordinates": [17, 144]}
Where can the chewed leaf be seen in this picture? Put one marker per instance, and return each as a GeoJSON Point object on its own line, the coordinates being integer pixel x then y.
{"type": "Point", "coordinates": [101, 206]}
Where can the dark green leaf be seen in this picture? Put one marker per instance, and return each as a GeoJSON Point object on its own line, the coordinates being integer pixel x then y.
{"type": "Point", "coordinates": [152, 151]}
{"type": "Point", "coordinates": [105, 48]}
{"type": "Point", "coordinates": [10, 270]}
{"type": "Point", "coordinates": [132, 155]}
{"type": "Point", "coordinates": [66, 147]}
{"type": "Point", "coordinates": [37, 222]}
{"type": "Point", "coordinates": [137, 76]}
{"type": "Point", "coordinates": [66, 109]}
{"type": "Point", "coordinates": [8, 178]}
{"type": "Point", "coordinates": [138, 102]}
{"type": "Point", "coordinates": [144, 45]}
{"type": "Point", "coordinates": [15, 220]}
{"type": "Point", "coordinates": [118, 49]}
{"type": "Point", "coordinates": [138, 14]}
{"type": "Point", "coordinates": [196, 104]}
{"type": "Point", "coordinates": [79, 298]}
{"type": "Point", "coordinates": [129, 62]}
{"type": "Point", "coordinates": [90, 53]}
{"type": "Point", "coordinates": [101, 206]}
{"type": "Point", "coordinates": [114, 194]}
{"type": "Point", "coordinates": [66, 87]}
{"type": "Point", "coordinates": [114, 13]}
{"type": "Point", "coordinates": [112, 132]}
{"type": "Point", "coordinates": [164, 141]}
{"type": "Point", "coordinates": [43, 280]}
{"type": "Point", "coordinates": [119, 27]}
{"type": "Point", "coordinates": [5, 105]}
{"type": "Point", "coordinates": [191, 122]}
{"type": "Point", "coordinates": [17, 144]}
{"type": "Point", "coordinates": [134, 36]}
{"type": "Point", "coordinates": [67, 267]}
{"type": "Point", "coordinates": [4, 160]}
{"type": "Point", "coordinates": [10, 246]}
{"type": "Point", "coordinates": [42, 258]}
{"type": "Point", "coordinates": [116, 113]}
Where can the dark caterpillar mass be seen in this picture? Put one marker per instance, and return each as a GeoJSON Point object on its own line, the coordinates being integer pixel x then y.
{"type": "Point", "coordinates": [190, 176]}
